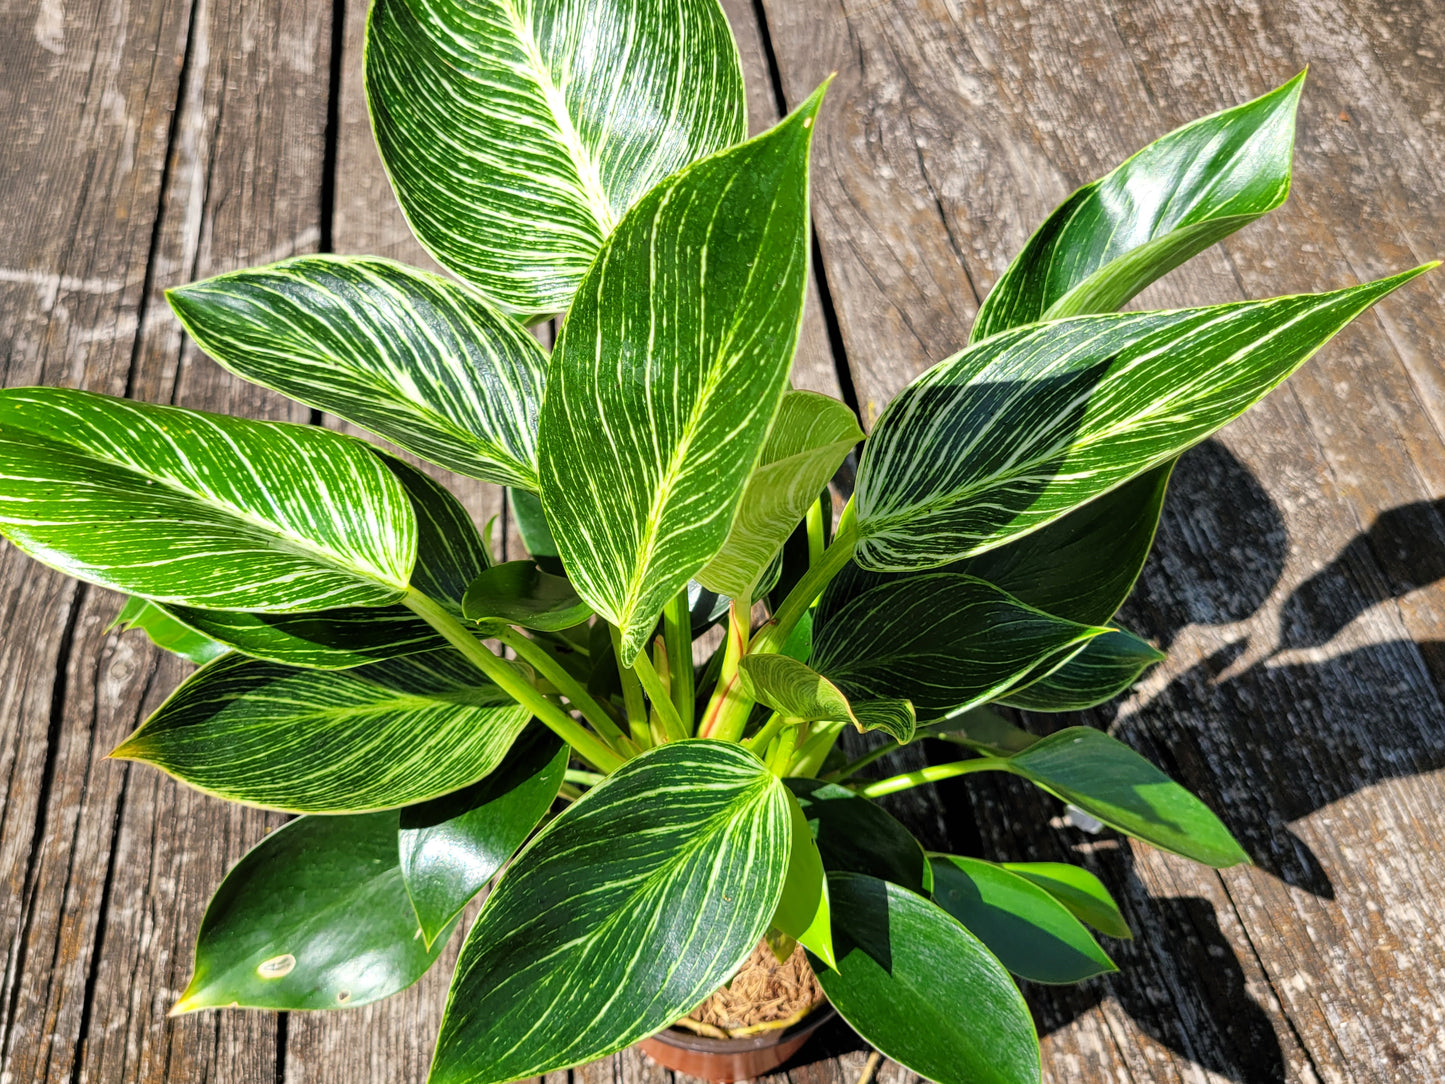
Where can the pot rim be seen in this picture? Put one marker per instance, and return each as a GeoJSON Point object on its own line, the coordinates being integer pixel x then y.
{"type": "Point", "coordinates": [683, 1039]}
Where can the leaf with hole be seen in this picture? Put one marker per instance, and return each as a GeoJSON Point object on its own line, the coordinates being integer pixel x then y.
{"type": "Point", "coordinates": [669, 370]}
{"type": "Point", "coordinates": [1168, 202]}
{"type": "Point", "coordinates": [1027, 425]}
{"type": "Point", "coordinates": [923, 990]}
{"type": "Point", "coordinates": [516, 136]}
{"type": "Point", "coordinates": [620, 916]}
{"type": "Point", "coordinates": [200, 509]}
{"type": "Point", "coordinates": [315, 916]}
{"type": "Point", "coordinates": [402, 353]}
{"type": "Point", "coordinates": [330, 741]}
{"type": "Point", "coordinates": [1032, 934]}
{"type": "Point", "coordinates": [453, 845]}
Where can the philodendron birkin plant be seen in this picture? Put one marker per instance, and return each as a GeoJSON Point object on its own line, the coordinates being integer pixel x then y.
{"type": "Point", "coordinates": [441, 720]}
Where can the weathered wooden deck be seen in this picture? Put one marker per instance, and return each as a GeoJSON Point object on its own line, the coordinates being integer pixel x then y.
{"type": "Point", "coordinates": [151, 142]}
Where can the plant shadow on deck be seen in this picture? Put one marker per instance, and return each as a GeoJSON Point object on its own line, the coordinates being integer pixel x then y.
{"type": "Point", "coordinates": [1263, 747]}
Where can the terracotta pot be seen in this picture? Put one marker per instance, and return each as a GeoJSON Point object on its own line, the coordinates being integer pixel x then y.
{"type": "Point", "coordinates": [726, 1060]}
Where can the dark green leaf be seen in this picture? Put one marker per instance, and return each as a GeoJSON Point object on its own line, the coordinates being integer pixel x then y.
{"type": "Point", "coordinates": [793, 689]}
{"type": "Point", "coordinates": [802, 913]}
{"type": "Point", "coordinates": [943, 641]}
{"type": "Point", "coordinates": [1173, 199]}
{"type": "Point", "coordinates": [853, 834]}
{"type": "Point", "coordinates": [982, 730]}
{"type": "Point", "coordinates": [330, 741]}
{"type": "Point", "coordinates": [516, 136]}
{"type": "Point", "coordinates": [668, 372]}
{"type": "Point", "coordinates": [1028, 424]}
{"type": "Point", "coordinates": [532, 526]}
{"type": "Point", "coordinates": [1111, 782]}
{"type": "Point", "coordinates": [924, 990]}
{"type": "Point", "coordinates": [520, 593]}
{"type": "Point", "coordinates": [409, 356]}
{"type": "Point", "coordinates": [451, 846]}
{"type": "Point", "coordinates": [449, 555]}
{"type": "Point", "coordinates": [200, 509]}
{"type": "Point", "coordinates": [621, 915]}
{"type": "Point", "coordinates": [1032, 934]}
{"type": "Point", "coordinates": [1078, 890]}
{"type": "Point", "coordinates": [314, 917]}
{"type": "Point", "coordinates": [166, 632]}
{"type": "Point", "coordinates": [1102, 669]}
{"type": "Point", "coordinates": [810, 436]}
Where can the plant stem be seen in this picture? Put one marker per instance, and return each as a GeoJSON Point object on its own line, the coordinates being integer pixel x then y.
{"type": "Point", "coordinates": [782, 756]}
{"type": "Point", "coordinates": [816, 542]}
{"type": "Point", "coordinates": [661, 699]}
{"type": "Point", "coordinates": [727, 711]}
{"type": "Point", "coordinates": [772, 638]}
{"type": "Point", "coordinates": [586, 744]}
{"type": "Point", "coordinates": [677, 631]}
{"type": "Point", "coordinates": [932, 774]}
{"type": "Point", "coordinates": [587, 779]}
{"type": "Point", "coordinates": [862, 762]}
{"type": "Point", "coordinates": [813, 752]}
{"type": "Point", "coordinates": [758, 743]}
{"type": "Point", "coordinates": [537, 658]}
{"type": "Point", "coordinates": [632, 698]}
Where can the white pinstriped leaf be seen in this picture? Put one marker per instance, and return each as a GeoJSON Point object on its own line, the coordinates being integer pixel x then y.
{"type": "Point", "coordinates": [944, 641]}
{"type": "Point", "coordinates": [621, 915]}
{"type": "Point", "coordinates": [450, 554]}
{"type": "Point", "coordinates": [1171, 200]}
{"type": "Point", "coordinates": [412, 357]}
{"type": "Point", "coordinates": [811, 435]}
{"type": "Point", "coordinates": [668, 372]}
{"type": "Point", "coordinates": [517, 132]}
{"type": "Point", "coordinates": [1102, 669]}
{"type": "Point", "coordinates": [326, 741]}
{"type": "Point", "coordinates": [1020, 428]}
{"type": "Point", "coordinates": [200, 509]}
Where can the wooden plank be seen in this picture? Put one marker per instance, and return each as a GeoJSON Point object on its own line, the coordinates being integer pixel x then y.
{"type": "Point", "coordinates": [970, 108]}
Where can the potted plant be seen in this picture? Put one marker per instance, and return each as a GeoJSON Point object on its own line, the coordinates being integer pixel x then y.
{"type": "Point", "coordinates": [651, 813]}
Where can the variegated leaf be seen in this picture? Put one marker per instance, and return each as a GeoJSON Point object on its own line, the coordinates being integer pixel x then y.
{"type": "Point", "coordinates": [1102, 669]}
{"type": "Point", "coordinates": [668, 372]}
{"type": "Point", "coordinates": [943, 641]}
{"type": "Point", "coordinates": [1026, 425]}
{"type": "Point", "coordinates": [1173, 199]}
{"type": "Point", "coordinates": [416, 359]}
{"type": "Point", "coordinates": [811, 435]}
{"type": "Point", "coordinates": [621, 915]}
{"type": "Point", "coordinates": [325, 741]}
{"type": "Point", "coordinates": [517, 133]}
{"type": "Point", "coordinates": [201, 509]}
{"type": "Point", "coordinates": [450, 554]}
{"type": "Point", "coordinates": [797, 691]}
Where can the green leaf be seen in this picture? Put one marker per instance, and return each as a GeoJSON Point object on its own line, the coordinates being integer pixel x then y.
{"type": "Point", "coordinates": [166, 632]}
{"type": "Point", "coordinates": [1078, 890]}
{"type": "Point", "coordinates": [943, 641]}
{"type": "Point", "coordinates": [1032, 934]}
{"type": "Point", "coordinates": [517, 135]}
{"type": "Point", "coordinates": [449, 555]}
{"type": "Point", "coordinates": [330, 741]}
{"type": "Point", "coordinates": [811, 436]}
{"type": "Point", "coordinates": [200, 509]}
{"type": "Point", "coordinates": [1111, 782]}
{"type": "Point", "coordinates": [409, 356]}
{"type": "Point", "coordinates": [621, 915]}
{"type": "Point", "coordinates": [520, 593]}
{"type": "Point", "coordinates": [668, 372]}
{"type": "Point", "coordinates": [982, 730]}
{"type": "Point", "coordinates": [1171, 200]}
{"type": "Point", "coordinates": [803, 913]}
{"type": "Point", "coordinates": [1102, 669]}
{"type": "Point", "coordinates": [1023, 427]}
{"type": "Point", "coordinates": [532, 526]}
{"type": "Point", "coordinates": [452, 846]}
{"type": "Point", "coordinates": [923, 990]}
{"type": "Point", "coordinates": [793, 689]}
{"type": "Point", "coordinates": [315, 916]}
{"type": "Point", "coordinates": [854, 835]}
